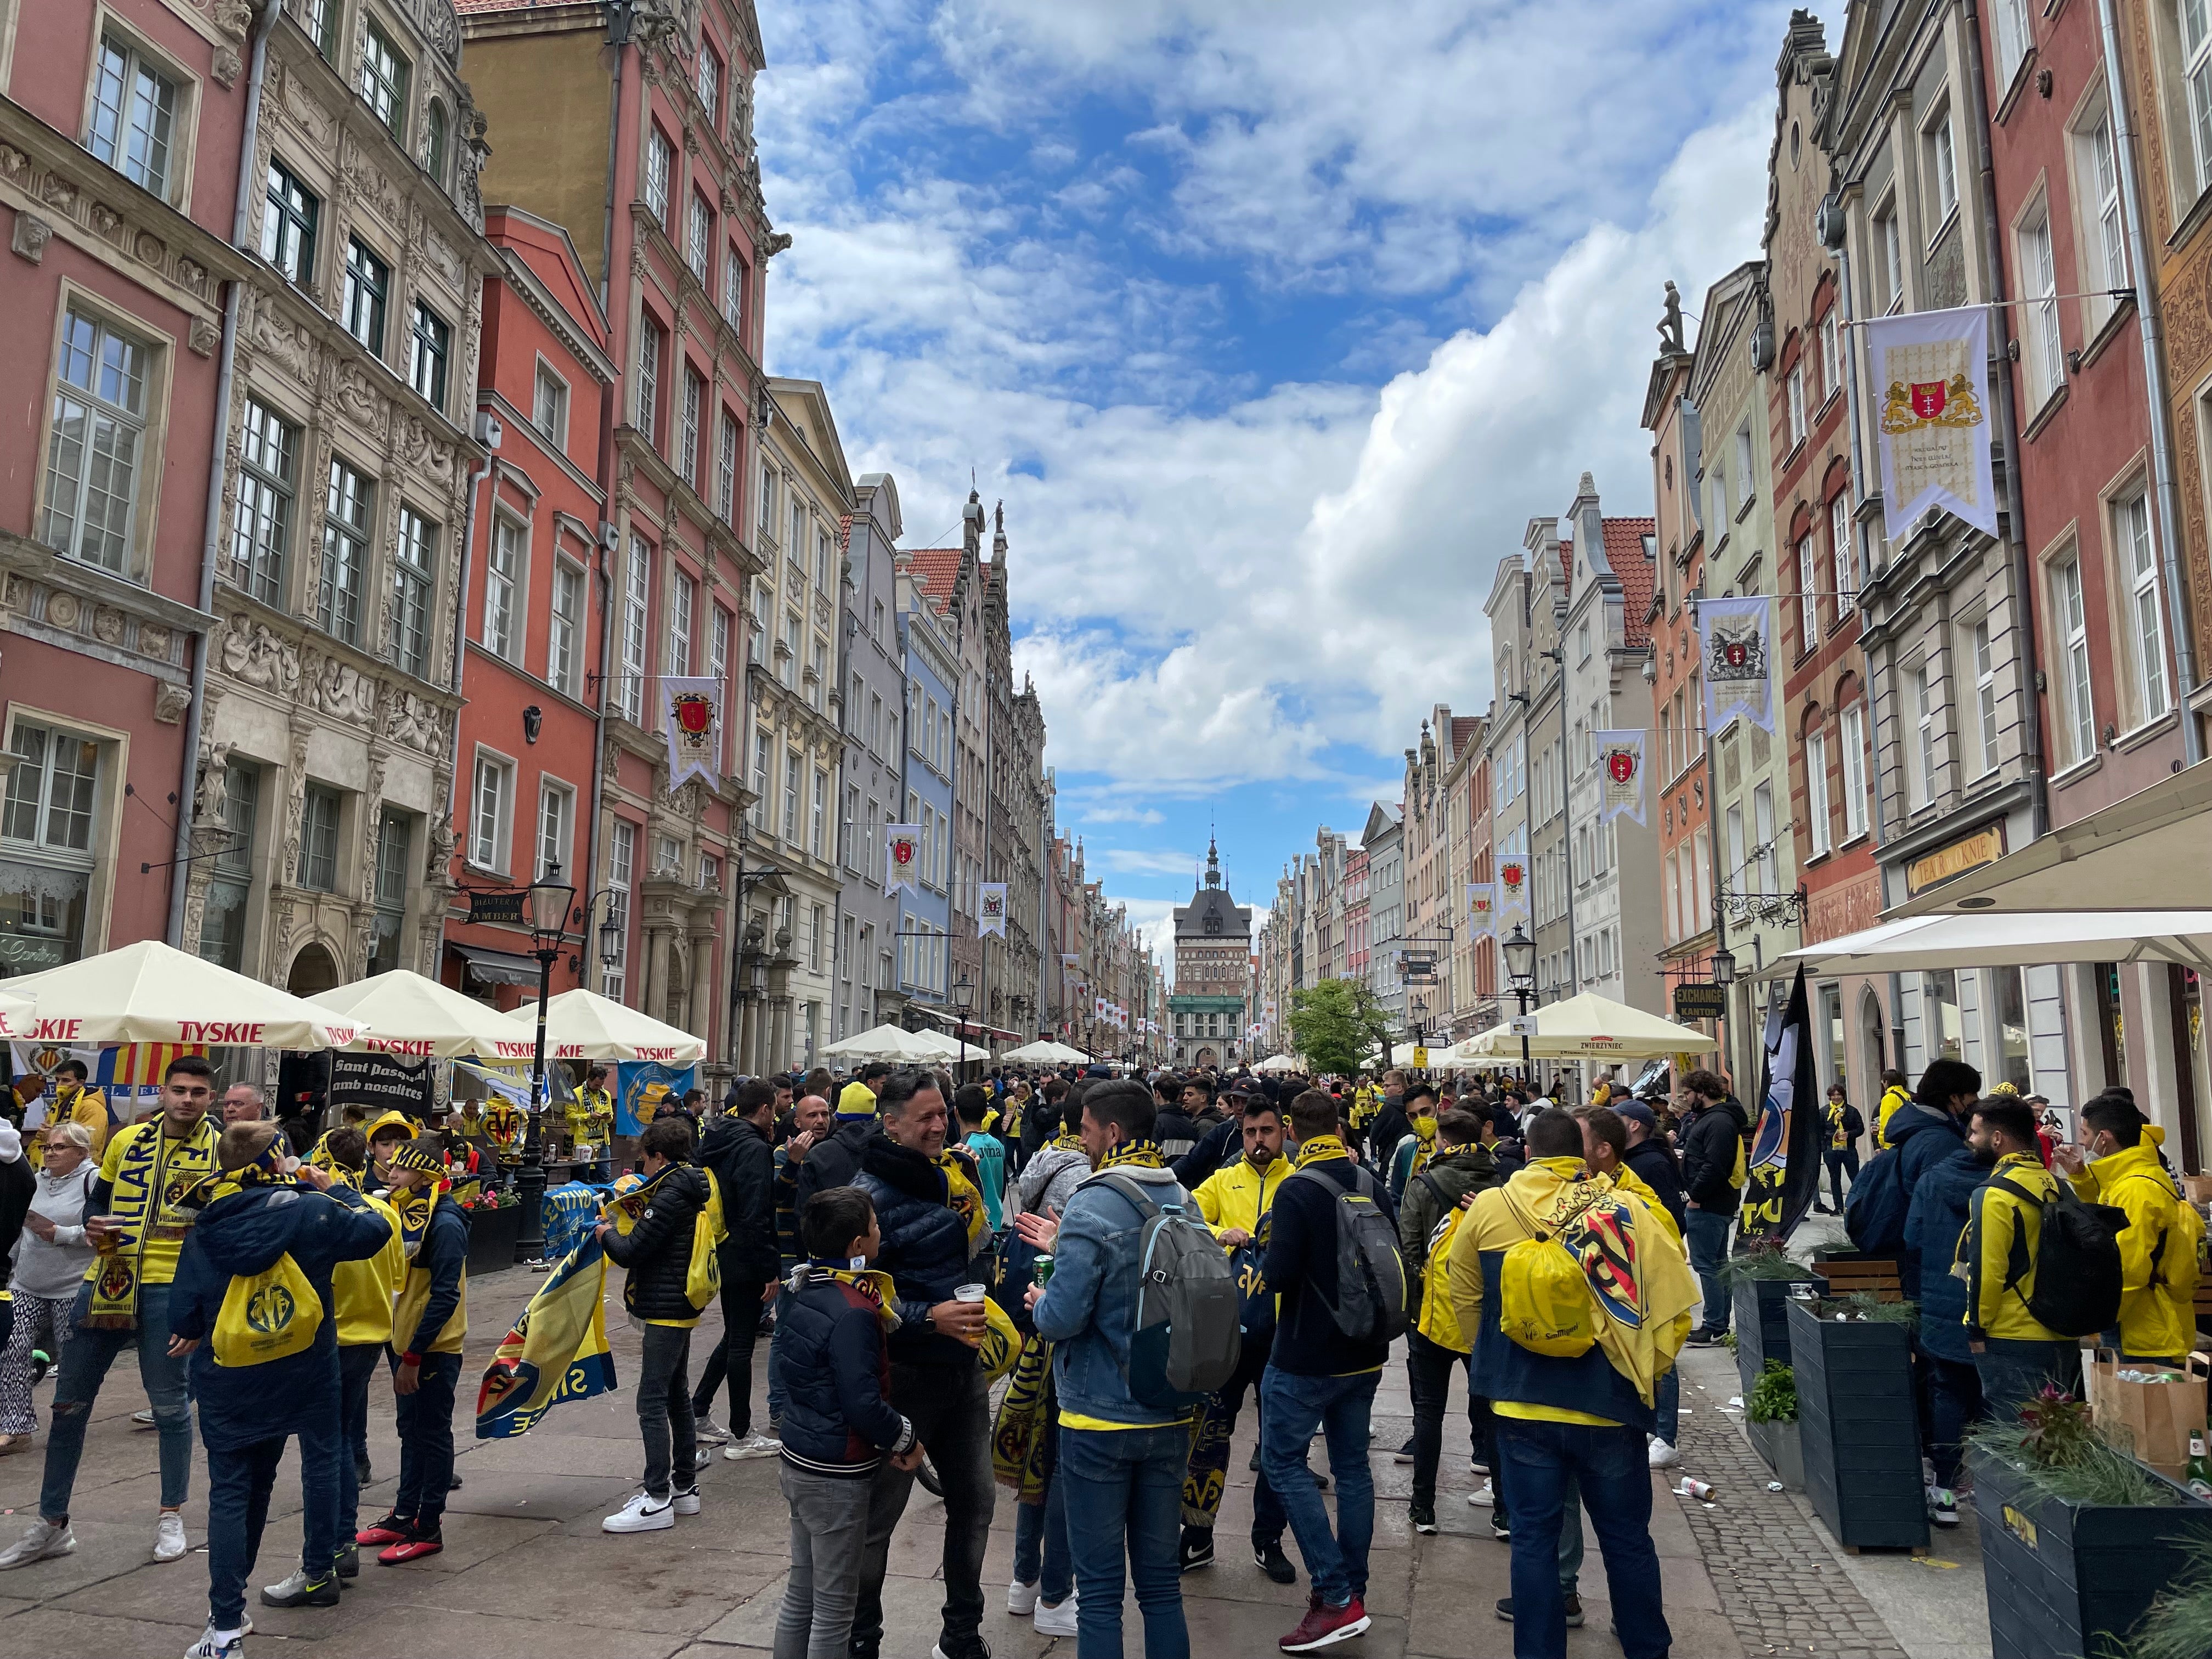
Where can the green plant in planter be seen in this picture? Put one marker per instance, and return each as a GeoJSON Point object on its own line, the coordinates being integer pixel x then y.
{"type": "Point", "coordinates": [1774, 1397]}
{"type": "Point", "coordinates": [1765, 1257]}
{"type": "Point", "coordinates": [2059, 1457]}
{"type": "Point", "coordinates": [1728, 1341]}
{"type": "Point", "coordinates": [1860, 1302]}
{"type": "Point", "coordinates": [2179, 1623]}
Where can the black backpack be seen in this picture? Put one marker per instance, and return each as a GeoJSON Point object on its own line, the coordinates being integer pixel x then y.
{"type": "Point", "coordinates": [2077, 1261]}
{"type": "Point", "coordinates": [1370, 1274]}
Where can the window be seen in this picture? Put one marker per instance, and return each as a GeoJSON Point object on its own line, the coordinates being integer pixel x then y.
{"type": "Point", "coordinates": [1839, 552]}
{"type": "Point", "coordinates": [1816, 789]}
{"type": "Point", "coordinates": [2013, 39]}
{"type": "Point", "coordinates": [52, 790]}
{"type": "Point", "coordinates": [733, 290]}
{"type": "Point", "coordinates": [2196, 67]}
{"type": "Point", "coordinates": [718, 660]}
{"type": "Point", "coordinates": [768, 503]}
{"type": "Point", "coordinates": [790, 798]}
{"type": "Point", "coordinates": [635, 587]}
{"type": "Point", "coordinates": [659, 163]}
{"type": "Point", "coordinates": [550, 409]}
{"type": "Point", "coordinates": [1889, 243]}
{"type": "Point", "coordinates": [788, 668]}
{"type": "Point", "coordinates": [760, 782]}
{"type": "Point", "coordinates": [134, 111]}
{"type": "Point", "coordinates": [349, 512]}
{"type": "Point", "coordinates": [1808, 604]}
{"type": "Point", "coordinates": [1942, 168]}
{"type": "Point", "coordinates": [710, 83]}
{"type": "Point", "coordinates": [648, 378]}
{"type": "Point", "coordinates": [1743, 466]}
{"type": "Point", "coordinates": [503, 584]}
{"type": "Point", "coordinates": [414, 567]}
{"type": "Point", "coordinates": [384, 79]}
{"type": "Point", "coordinates": [710, 873]}
{"type": "Point", "coordinates": [1985, 694]}
{"type": "Point", "coordinates": [491, 818]}
{"type": "Point", "coordinates": [2139, 566]}
{"type": "Point", "coordinates": [699, 236]}
{"type": "Point", "coordinates": [554, 803]}
{"type": "Point", "coordinates": [725, 472]}
{"type": "Point", "coordinates": [261, 533]}
{"type": "Point", "coordinates": [820, 811]}
{"type": "Point", "coordinates": [687, 455]}
{"type": "Point", "coordinates": [565, 628]}
{"type": "Point", "coordinates": [434, 141]}
{"type": "Point", "coordinates": [288, 226]}
{"type": "Point", "coordinates": [2046, 363]}
{"type": "Point", "coordinates": [319, 19]}
{"type": "Point", "coordinates": [2108, 242]}
{"type": "Point", "coordinates": [1918, 686]}
{"type": "Point", "coordinates": [1853, 740]}
{"type": "Point", "coordinates": [92, 454]}
{"type": "Point", "coordinates": [2077, 714]}
{"type": "Point", "coordinates": [427, 348]}
{"type": "Point", "coordinates": [852, 821]}
{"type": "Point", "coordinates": [1797, 404]}
{"type": "Point", "coordinates": [222, 929]}
{"type": "Point", "coordinates": [319, 840]}
{"type": "Point", "coordinates": [683, 594]}
{"type": "Point", "coordinates": [817, 673]}
{"type": "Point", "coordinates": [621, 872]}
{"type": "Point", "coordinates": [1831, 357]}
{"type": "Point", "coordinates": [366, 278]}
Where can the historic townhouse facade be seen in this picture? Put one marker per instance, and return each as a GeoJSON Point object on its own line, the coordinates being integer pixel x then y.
{"type": "Point", "coordinates": [932, 661]}
{"type": "Point", "coordinates": [871, 667]}
{"type": "Point", "coordinates": [324, 840]}
{"type": "Point", "coordinates": [120, 165]}
{"type": "Point", "coordinates": [1506, 738]}
{"type": "Point", "coordinates": [1206, 1014]}
{"type": "Point", "coordinates": [1013, 770]}
{"type": "Point", "coordinates": [1473, 994]}
{"type": "Point", "coordinates": [1547, 716]}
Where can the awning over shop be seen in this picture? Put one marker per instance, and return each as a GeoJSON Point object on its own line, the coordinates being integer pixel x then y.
{"type": "Point", "coordinates": [499, 967]}
{"type": "Point", "coordinates": [1991, 939]}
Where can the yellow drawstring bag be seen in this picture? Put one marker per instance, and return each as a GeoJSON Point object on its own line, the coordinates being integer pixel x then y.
{"type": "Point", "coordinates": [272, 1315]}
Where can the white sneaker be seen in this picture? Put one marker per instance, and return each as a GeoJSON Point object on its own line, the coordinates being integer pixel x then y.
{"type": "Point", "coordinates": [753, 1445]}
{"type": "Point", "coordinates": [685, 1502]}
{"type": "Point", "coordinates": [169, 1536]}
{"type": "Point", "coordinates": [643, 1513]}
{"type": "Point", "coordinates": [143, 1419]}
{"type": "Point", "coordinates": [1484, 1496]}
{"type": "Point", "coordinates": [1021, 1598]}
{"type": "Point", "coordinates": [213, 1646]}
{"type": "Point", "coordinates": [1663, 1454]}
{"type": "Point", "coordinates": [708, 1431]}
{"type": "Point", "coordinates": [42, 1541]}
{"type": "Point", "coordinates": [1057, 1621]}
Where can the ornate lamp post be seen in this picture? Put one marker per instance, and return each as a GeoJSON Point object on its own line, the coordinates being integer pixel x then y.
{"type": "Point", "coordinates": [549, 898]}
{"type": "Point", "coordinates": [964, 998]}
{"type": "Point", "coordinates": [1520, 953]}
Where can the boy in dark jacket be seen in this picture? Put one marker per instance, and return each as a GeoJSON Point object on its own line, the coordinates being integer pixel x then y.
{"type": "Point", "coordinates": [736, 1148]}
{"type": "Point", "coordinates": [657, 1252]}
{"type": "Point", "coordinates": [1924, 1133]}
{"type": "Point", "coordinates": [1710, 1140]}
{"type": "Point", "coordinates": [832, 1359]}
{"type": "Point", "coordinates": [1932, 1227]}
{"type": "Point", "coordinates": [257, 1213]}
{"type": "Point", "coordinates": [1652, 1158]}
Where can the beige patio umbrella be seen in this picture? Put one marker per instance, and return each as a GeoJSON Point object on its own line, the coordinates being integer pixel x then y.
{"type": "Point", "coordinates": [149, 992]}
{"type": "Point", "coordinates": [1587, 1027]}
{"type": "Point", "coordinates": [892, 1044]}
{"type": "Point", "coordinates": [413, 1016]}
{"type": "Point", "coordinates": [15, 1013]}
{"type": "Point", "coordinates": [942, 1047]}
{"type": "Point", "coordinates": [581, 1024]}
{"type": "Point", "coordinates": [1045, 1052]}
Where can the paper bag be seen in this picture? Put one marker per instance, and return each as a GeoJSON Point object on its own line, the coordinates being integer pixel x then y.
{"type": "Point", "coordinates": [2154, 1421]}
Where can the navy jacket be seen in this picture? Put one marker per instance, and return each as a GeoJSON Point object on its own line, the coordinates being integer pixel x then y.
{"type": "Point", "coordinates": [658, 1251]}
{"type": "Point", "coordinates": [744, 1168]}
{"type": "Point", "coordinates": [836, 1161]}
{"type": "Point", "coordinates": [1218, 1144]}
{"type": "Point", "coordinates": [924, 1247]}
{"type": "Point", "coordinates": [1921, 1138]}
{"type": "Point", "coordinates": [1932, 1227]}
{"type": "Point", "coordinates": [1300, 1264]}
{"type": "Point", "coordinates": [831, 1365]}
{"type": "Point", "coordinates": [242, 1235]}
{"type": "Point", "coordinates": [1653, 1160]}
{"type": "Point", "coordinates": [1389, 1128]}
{"type": "Point", "coordinates": [1708, 1148]}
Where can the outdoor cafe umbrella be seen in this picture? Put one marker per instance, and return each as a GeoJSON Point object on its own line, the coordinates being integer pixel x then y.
{"type": "Point", "coordinates": [1045, 1052]}
{"type": "Point", "coordinates": [581, 1024]}
{"type": "Point", "coordinates": [2000, 939]}
{"type": "Point", "coordinates": [892, 1044]}
{"type": "Point", "coordinates": [942, 1047]}
{"type": "Point", "coordinates": [417, 1018]}
{"type": "Point", "coordinates": [1588, 1027]}
{"type": "Point", "coordinates": [1277, 1064]}
{"type": "Point", "coordinates": [16, 1011]}
{"type": "Point", "coordinates": [149, 992]}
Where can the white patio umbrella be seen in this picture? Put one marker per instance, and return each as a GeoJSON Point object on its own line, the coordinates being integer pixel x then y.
{"type": "Point", "coordinates": [1999, 938]}
{"type": "Point", "coordinates": [1277, 1064]}
{"type": "Point", "coordinates": [149, 992]}
{"type": "Point", "coordinates": [15, 1013]}
{"type": "Point", "coordinates": [1588, 1027]}
{"type": "Point", "coordinates": [1045, 1052]}
{"type": "Point", "coordinates": [942, 1047]}
{"type": "Point", "coordinates": [893, 1044]}
{"type": "Point", "coordinates": [581, 1024]}
{"type": "Point", "coordinates": [410, 1015]}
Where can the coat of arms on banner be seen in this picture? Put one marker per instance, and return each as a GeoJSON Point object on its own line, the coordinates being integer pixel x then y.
{"type": "Point", "coordinates": [991, 910]}
{"type": "Point", "coordinates": [1621, 770]}
{"type": "Point", "coordinates": [1929, 403]}
{"type": "Point", "coordinates": [1734, 638]}
{"type": "Point", "coordinates": [902, 857]}
{"type": "Point", "coordinates": [1481, 908]}
{"type": "Point", "coordinates": [694, 708]}
{"type": "Point", "coordinates": [1735, 652]}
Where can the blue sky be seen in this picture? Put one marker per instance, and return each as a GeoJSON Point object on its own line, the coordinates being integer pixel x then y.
{"type": "Point", "coordinates": [1271, 323]}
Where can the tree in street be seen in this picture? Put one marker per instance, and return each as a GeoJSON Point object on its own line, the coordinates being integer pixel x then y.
{"type": "Point", "coordinates": [1336, 1023]}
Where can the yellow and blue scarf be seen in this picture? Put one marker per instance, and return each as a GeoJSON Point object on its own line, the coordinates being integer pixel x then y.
{"type": "Point", "coordinates": [153, 1221]}
{"type": "Point", "coordinates": [1318, 1150]}
{"type": "Point", "coordinates": [1134, 1154]}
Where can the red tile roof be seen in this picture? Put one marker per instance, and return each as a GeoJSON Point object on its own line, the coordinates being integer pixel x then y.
{"type": "Point", "coordinates": [1638, 573]}
{"type": "Point", "coordinates": [939, 568]}
{"type": "Point", "coordinates": [1463, 728]}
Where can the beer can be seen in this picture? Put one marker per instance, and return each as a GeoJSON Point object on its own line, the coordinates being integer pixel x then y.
{"type": "Point", "coordinates": [1697, 1489]}
{"type": "Point", "coordinates": [1042, 1271]}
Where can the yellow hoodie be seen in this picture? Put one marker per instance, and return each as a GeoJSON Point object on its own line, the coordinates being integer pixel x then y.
{"type": "Point", "coordinates": [1891, 1098]}
{"type": "Point", "coordinates": [363, 1290]}
{"type": "Point", "coordinates": [1996, 1253]}
{"type": "Point", "coordinates": [2158, 1247]}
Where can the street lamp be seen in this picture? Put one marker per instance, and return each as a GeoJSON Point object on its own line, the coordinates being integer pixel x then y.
{"type": "Point", "coordinates": [549, 898]}
{"type": "Point", "coordinates": [1723, 967]}
{"type": "Point", "coordinates": [964, 998]}
{"type": "Point", "coordinates": [1520, 953]}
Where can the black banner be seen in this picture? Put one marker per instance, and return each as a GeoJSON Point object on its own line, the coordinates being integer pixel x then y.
{"type": "Point", "coordinates": [382, 1084]}
{"type": "Point", "coordinates": [1782, 1161]}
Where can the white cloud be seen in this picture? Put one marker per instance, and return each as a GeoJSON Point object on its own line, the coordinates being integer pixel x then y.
{"type": "Point", "coordinates": [1137, 861]}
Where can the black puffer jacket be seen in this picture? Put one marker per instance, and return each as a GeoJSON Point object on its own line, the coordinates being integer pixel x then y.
{"type": "Point", "coordinates": [834, 1162]}
{"type": "Point", "coordinates": [1176, 1131]}
{"type": "Point", "coordinates": [924, 1247]}
{"type": "Point", "coordinates": [744, 1168]}
{"type": "Point", "coordinates": [1708, 1149]}
{"type": "Point", "coordinates": [658, 1251]}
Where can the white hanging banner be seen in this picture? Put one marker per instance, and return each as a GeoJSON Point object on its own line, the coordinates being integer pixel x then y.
{"type": "Point", "coordinates": [1620, 775]}
{"type": "Point", "coordinates": [693, 705]}
{"type": "Point", "coordinates": [1512, 887]}
{"type": "Point", "coordinates": [991, 910]}
{"type": "Point", "coordinates": [1932, 368]}
{"type": "Point", "coordinates": [902, 854]}
{"type": "Point", "coordinates": [1481, 909]}
{"type": "Point", "coordinates": [1736, 639]}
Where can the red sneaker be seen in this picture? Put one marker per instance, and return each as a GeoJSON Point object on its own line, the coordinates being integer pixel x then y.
{"type": "Point", "coordinates": [412, 1547]}
{"type": "Point", "coordinates": [390, 1530]}
{"type": "Point", "coordinates": [1325, 1625]}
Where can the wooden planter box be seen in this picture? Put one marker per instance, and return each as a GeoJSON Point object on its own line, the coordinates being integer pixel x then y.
{"type": "Point", "coordinates": [492, 1234]}
{"type": "Point", "coordinates": [2061, 1576]}
{"type": "Point", "coordinates": [1856, 1418]}
{"type": "Point", "coordinates": [1760, 1309]}
{"type": "Point", "coordinates": [1782, 1444]}
{"type": "Point", "coordinates": [1852, 1272]}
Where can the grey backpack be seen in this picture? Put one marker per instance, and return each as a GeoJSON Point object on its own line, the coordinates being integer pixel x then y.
{"type": "Point", "coordinates": [1371, 1273]}
{"type": "Point", "coordinates": [1186, 1340]}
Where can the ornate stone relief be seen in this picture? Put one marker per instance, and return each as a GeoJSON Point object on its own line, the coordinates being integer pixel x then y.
{"type": "Point", "coordinates": [251, 653]}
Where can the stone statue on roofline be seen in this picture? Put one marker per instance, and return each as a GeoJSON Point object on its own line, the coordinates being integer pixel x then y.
{"type": "Point", "coordinates": [1670, 326]}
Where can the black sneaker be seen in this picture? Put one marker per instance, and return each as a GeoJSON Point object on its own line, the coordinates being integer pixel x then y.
{"type": "Point", "coordinates": [1252, 1462]}
{"type": "Point", "coordinates": [1702, 1338]}
{"type": "Point", "coordinates": [1424, 1517]}
{"type": "Point", "coordinates": [1196, 1549]}
{"type": "Point", "coordinates": [1405, 1453]}
{"type": "Point", "coordinates": [1573, 1610]}
{"type": "Point", "coordinates": [1499, 1529]}
{"type": "Point", "coordinates": [1270, 1560]}
{"type": "Point", "coordinates": [348, 1561]}
{"type": "Point", "coordinates": [361, 1476]}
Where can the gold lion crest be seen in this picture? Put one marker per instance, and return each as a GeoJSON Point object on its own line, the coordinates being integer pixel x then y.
{"type": "Point", "coordinates": [1911, 406]}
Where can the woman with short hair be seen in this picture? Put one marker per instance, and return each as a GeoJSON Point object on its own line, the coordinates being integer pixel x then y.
{"type": "Point", "coordinates": [51, 1258]}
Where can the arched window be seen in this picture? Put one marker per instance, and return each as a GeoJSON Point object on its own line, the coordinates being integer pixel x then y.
{"type": "Point", "coordinates": [434, 141]}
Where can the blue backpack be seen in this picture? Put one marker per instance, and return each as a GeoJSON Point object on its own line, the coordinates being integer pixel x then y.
{"type": "Point", "coordinates": [1876, 1206]}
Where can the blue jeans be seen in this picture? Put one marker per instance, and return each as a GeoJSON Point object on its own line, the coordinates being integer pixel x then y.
{"type": "Point", "coordinates": [426, 1441]}
{"type": "Point", "coordinates": [1292, 1407]}
{"type": "Point", "coordinates": [1668, 1403]}
{"type": "Point", "coordinates": [1125, 1487]}
{"type": "Point", "coordinates": [357, 1367]}
{"type": "Point", "coordinates": [1706, 1232]}
{"type": "Point", "coordinates": [85, 1359]}
{"type": "Point", "coordinates": [1041, 1556]}
{"type": "Point", "coordinates": [2013, 1372]}
{"type": "Point", "coordinates": [1536, 1461]}
{"type": "Point", "coordinates": [240, 1480]}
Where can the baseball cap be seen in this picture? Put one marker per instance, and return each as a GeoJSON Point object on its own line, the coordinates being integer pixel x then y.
{"type": "Point", "coordinates": [1635, 1111]}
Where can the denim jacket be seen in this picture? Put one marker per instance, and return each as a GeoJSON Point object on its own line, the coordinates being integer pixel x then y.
{"type": "Point", "coordinates": [1090, 1310]}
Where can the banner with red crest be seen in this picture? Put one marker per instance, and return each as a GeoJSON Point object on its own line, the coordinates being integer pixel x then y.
{"type": "Point", "coordinates": [1512, 885]}
{"type": "Point", "coordinates": [693, 704]}
{"type": "Point", "coordinates": [1930, 371]}
{"type": "Point", "coordinates": [1736, 637]}
{"type": "Point", "coordinates": [1620, 775]}
{"type": "Point", "coordinates": [1481, 908]}
{"type": "Point", "coordinates": [901, 858]}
